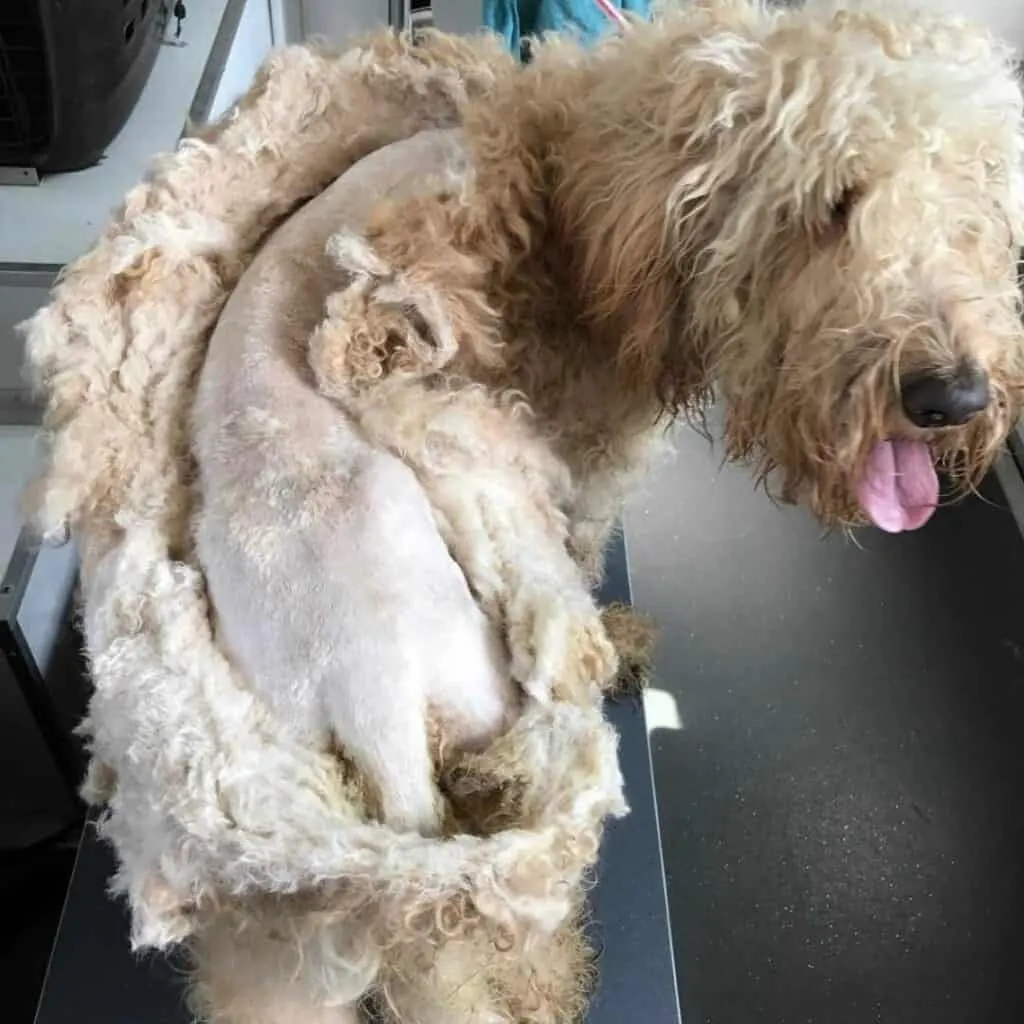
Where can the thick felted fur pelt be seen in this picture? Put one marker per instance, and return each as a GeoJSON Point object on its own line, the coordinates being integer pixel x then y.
{"type": "Point", "coordinates": [258, 849]}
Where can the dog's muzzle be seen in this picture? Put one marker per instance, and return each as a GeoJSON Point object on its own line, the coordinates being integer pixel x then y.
{"type": "Point", "coordinates": [933, 400]}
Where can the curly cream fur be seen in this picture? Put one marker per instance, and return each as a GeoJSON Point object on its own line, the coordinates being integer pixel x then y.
{"type": "Point", "coordinates": [791, 207]}
{"type": "Point", "coordinates": [252, 844]}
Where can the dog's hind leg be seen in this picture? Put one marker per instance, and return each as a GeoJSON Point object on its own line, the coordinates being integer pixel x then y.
{"type": "Point", "coordinates": [340, 605]}
{"type": "Point", "coordinates": [417, 644]}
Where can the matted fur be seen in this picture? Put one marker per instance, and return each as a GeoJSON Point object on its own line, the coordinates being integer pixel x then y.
{"type": "Point", "coordinates": [256, 849]}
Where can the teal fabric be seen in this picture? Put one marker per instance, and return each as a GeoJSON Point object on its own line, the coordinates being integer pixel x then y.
{"type": "Point", "coordinates": [516, 19]}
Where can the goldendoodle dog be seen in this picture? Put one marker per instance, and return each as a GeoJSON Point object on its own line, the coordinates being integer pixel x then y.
{"type": "Point", "coordinates": [809, 215]}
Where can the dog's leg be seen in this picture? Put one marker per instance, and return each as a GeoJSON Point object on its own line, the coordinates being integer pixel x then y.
{"type": "Point", "coordinates": [602, 484]}
{"type": "Point", "coordinates": [387, 739]}
{"type": "Point", "coordinates": [633, 635]}
{"type": "Point", "coordinates": [495, 489]}
{"type": "Point", "coordinates": [338, 601]}
{"type": "Point", "coordinates": [495, 486]}
{"type": "Point", "coordinates": [588, 541]}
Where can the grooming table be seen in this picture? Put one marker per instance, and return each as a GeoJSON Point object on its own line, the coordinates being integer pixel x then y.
{"type": "Point", "coordinates": [94, 977]}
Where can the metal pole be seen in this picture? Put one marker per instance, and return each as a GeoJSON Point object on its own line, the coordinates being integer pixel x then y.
{"type": "Point", "coordinates": [399, 15]}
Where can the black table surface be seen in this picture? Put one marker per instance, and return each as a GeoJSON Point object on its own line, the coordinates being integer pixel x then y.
{"type": "Point", "coordinates": [94, 977]}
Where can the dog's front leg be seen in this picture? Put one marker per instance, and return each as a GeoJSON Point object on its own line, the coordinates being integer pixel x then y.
{"type": "Point", "coordinates": [415, 303]}
{"type": "Point", "coordinates": [449, 984]}
{"type": "Point", "coordinates": [497, 492]}
{"type": "Point", "coordinates": [512, 546]}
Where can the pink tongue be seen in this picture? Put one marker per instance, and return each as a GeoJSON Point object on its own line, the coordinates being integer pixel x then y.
{"type": "Point", "coordinates": [899, 490]}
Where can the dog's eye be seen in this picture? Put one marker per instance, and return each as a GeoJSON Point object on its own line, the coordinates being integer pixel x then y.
{"type": "Point", "coordinates": [842, 206]}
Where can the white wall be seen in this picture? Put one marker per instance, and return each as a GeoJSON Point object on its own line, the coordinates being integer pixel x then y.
{"type": "Point", "coordinates": [253, 41]}
{"type": "Point", "coordinates": [339, 19]}
{"type": "Point", "coordinates": [462, 15]}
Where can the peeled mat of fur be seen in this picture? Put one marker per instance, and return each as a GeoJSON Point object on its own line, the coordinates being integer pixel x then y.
{"type": "Point", "coordinates": [209, 811]}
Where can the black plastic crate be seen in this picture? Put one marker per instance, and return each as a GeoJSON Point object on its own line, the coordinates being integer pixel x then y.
{"type": "Point", "coordinates": [71, 72]}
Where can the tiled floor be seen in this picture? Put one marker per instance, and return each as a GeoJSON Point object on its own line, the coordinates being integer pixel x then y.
{"type": "Point", "coordinates": [839, 759]}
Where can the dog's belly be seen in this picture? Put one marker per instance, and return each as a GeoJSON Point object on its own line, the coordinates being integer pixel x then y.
{"type": "Point", "coordinates": [332, 588]}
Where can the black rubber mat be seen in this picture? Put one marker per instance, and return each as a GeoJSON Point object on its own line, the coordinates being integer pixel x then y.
{"type": "Point", "coordinates": [32, 888]}
{"type": "Point", "coordinates": [841, 810]}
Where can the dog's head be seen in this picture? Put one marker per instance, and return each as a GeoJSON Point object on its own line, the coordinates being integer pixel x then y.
{"type": "Point", "coordinates": [848, 226]}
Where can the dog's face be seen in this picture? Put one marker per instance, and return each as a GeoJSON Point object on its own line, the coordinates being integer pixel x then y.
{"type": "Point", "coordinates": [858, 282]}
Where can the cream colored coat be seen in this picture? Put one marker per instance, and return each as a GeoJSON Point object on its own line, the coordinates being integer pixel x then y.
{"type": "Point", "coordinates": [225, 801]}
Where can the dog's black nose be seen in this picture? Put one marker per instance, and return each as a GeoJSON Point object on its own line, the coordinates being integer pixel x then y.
{"type": "Point", "coordinates": [931, 400]}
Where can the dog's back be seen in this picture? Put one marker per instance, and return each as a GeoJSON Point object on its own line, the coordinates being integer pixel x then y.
{"type": "Point", "coordinates": [333, 590]}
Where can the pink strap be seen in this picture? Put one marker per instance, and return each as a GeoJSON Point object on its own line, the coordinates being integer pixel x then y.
{"type": "Point", "coordinates": [613, 12]}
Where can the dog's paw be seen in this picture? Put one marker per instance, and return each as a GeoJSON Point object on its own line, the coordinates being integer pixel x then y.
{"type": "Point", "coordinates": [559, 647]}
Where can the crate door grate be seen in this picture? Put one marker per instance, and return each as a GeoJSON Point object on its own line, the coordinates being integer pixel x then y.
{"type": "Point", "coordinates": [24, 91]}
